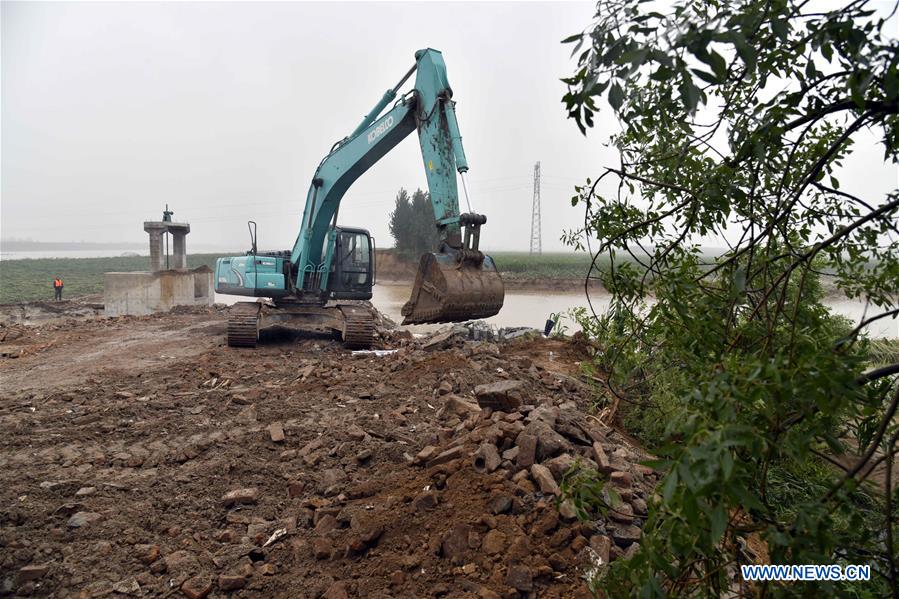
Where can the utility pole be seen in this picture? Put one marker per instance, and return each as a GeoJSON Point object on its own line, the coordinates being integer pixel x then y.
{"type": "Point", "coordinates": [536, 237]}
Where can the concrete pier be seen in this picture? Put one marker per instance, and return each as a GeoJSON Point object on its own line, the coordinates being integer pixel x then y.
{"type": "Point", "coordinates": [157, 230]}
{"type": "Point", "coordinates": [164, 287]}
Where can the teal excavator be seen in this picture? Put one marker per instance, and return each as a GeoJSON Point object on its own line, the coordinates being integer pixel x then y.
{"type": "Point", "coordinates": [329, 263]}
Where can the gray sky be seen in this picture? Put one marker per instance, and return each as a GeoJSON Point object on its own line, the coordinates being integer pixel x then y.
{"type": "Point", "coordinates": [223, 110]}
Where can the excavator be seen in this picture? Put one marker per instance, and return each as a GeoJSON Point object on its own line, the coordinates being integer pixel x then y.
{"type": "Point", "coordinates": [304, 286]}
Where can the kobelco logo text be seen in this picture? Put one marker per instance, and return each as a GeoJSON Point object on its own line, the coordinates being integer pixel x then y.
{"type": "Point", "coordinates": [380, 129]}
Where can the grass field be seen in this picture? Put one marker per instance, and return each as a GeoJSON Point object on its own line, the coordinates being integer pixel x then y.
{"type": "Point", "coordinates": [28, 280]}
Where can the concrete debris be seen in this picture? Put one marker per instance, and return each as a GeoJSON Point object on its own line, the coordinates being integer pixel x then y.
{"type": "Point", "coordinates": [430, 468]}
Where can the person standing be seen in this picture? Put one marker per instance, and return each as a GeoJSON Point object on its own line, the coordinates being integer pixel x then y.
{"type": "Point", "coordinates": [57, 287]}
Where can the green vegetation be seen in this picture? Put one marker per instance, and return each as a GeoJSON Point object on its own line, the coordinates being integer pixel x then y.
{"type": "Point", "coordinates": [522, 265]}
{"type": "Point", "coordinates": [735, 118]}
{"type": "Point", "coordinates": [412, 224]}
{"type": "Point", "coordinates": [29, 280]}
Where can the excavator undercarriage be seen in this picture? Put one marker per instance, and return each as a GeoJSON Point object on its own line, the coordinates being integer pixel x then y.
{"type": "Point", "coordinates": [353, 324]}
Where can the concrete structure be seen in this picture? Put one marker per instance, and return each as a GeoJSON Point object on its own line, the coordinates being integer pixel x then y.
{"type": "Point", "coordinates": [157, 231]}
{"type": "Point", "coordinates": [141, 293]}
{"type": "Point", "coordinates": [162, 288]}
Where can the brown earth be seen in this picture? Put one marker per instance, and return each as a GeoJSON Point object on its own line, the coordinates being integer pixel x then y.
{"type": "Point", "coordinates": [140, 456]}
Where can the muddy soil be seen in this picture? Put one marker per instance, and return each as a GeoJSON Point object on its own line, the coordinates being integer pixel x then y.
{"type": "Point", "coordinates": [141, 456]}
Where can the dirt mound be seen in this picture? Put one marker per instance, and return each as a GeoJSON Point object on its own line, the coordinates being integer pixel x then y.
{"type": "Point", "coordinates": [187, 468]}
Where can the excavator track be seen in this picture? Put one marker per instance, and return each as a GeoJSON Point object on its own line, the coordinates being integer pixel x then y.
{"type": "Point", "coordinates": [358, 328]}
{"type": "Point", "coordinates": [243, 324]}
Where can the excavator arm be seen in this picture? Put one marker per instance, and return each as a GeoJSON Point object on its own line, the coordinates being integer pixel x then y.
{"type": "Point", "coordinates": [457, 282]}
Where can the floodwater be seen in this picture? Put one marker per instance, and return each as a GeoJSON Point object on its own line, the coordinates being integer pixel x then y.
{"type": "Point", "coordinates": [524, 308]}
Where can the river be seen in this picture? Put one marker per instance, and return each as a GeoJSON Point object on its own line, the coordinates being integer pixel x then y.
{"type": "Point", "coordinates": [523, 308]}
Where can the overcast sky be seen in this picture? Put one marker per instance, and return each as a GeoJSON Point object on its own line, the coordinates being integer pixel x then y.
{"type": "Point", "coordinates": [223, 111]}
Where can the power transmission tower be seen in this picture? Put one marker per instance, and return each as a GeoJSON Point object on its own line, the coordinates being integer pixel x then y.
{"type": "Point", "coordinates": [536, 237]}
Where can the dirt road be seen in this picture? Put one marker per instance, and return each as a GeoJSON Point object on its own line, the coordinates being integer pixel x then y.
{"type": "Point", "coordinates": [140, 456]}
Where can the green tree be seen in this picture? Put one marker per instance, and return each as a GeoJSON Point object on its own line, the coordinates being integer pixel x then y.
{"type": "Point", "coordinates": [412, 223]}
{"type": "Point", "coordinates": [735, 117]}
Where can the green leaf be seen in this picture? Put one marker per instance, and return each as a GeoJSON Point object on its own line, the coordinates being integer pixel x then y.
{"type": "Point", "coordinates": [669, 486]}
{"type": "Point", "coordinates": [718, 519]}
{"type": "Point", "coordinates": [689, 95]}
{"type": "Point", "coordinates": [616, 96]}
{"type": "Point", "coordinates": [573, 38]}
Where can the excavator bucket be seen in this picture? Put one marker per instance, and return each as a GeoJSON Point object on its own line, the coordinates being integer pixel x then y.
{"type": "Point", "coordinates": [454, 287]}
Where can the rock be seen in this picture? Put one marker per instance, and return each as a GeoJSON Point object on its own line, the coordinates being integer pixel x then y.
{"type": "Point", "coordinates": [567, 510]}
{"type": "Point", "coordinates": [267, 569]}
{"type": "Point", "coordinates": [444, 388]}
{"type": "Point", "coordinates": [439, 340]}
{"type": "Point", "coordinates": [330, 478]}
{"type": "Point", "coordinates": [147, 554]}
{"type": "Point", "coordinates": [494, 542]}
{"type": "Point", "coordinates": [549, 442]}
{"type": "Point", "coordinates": [232, 582]}
{"type": "Point", "coordinates": [337, 590]}
{"type": "Point", "coordinates": [527, 450]}
{"type": "Point", "coordinates": [32, 572]}
{"type": "Point", "coordinates": [397, 578]}
{"type": "Point", "coordinates": [455, 543]}
{"type": "Point", "coordinates": [197, 587]}
{"type": "Point", "coordinates": [602, 460]}
{"type": "Point", "coordinates": [485, 593]}
{"type": "Point", "coordinates": [625, 535]}
{"type": "Point", "coordinates": [326, 524]}
{"type": "Point", "coordinates": [454, 405]}
{"type": "Point", "coordinates": [322, 548]}
{"type": "Point", "coordinates": [601, 545]}
{"type": "Point", "coordinates": [426, 500]}
{"type": "Point", "coordinates": [520, 578]}
{"type": "Point", "coordinates": [639, 506]}
{"type": "Point", "coordinates": [623, 513]}
{"type": "Point", "coordinates": [247, 415]}
{"type": "Point", "coordinates": [546, 523]}
{"type": "Point", "coordinates": [544, 479]}
{"type": "Point", "coordinates": [560, 464]}
{"type": "Point", "coordinates": [447, 456]}
{"type": "Point", "coordinates": [276, 432]}
{"type": "Point", "coordinates": [502, 396]}
{"type": "Point", "coordinates": [621, 479]}
{"type": "Point", "coordinates": [181, 562]}
{"type": "Point", "coordinates": [128, 586]}
{"type": "Point", "coordinates": [487, 458]}
{"type": "Point", "coordinates": [246, 496]}
{"type": "Point", "coordinates": [84, 491]}
{"type": "Point", "coordinates": [500, 504]}
{"type": "Point", "coordinates": [80, 519]}
{"type": "Point", "coordinates": [423, 456]}
{"type": "Point", "coordinates": [295, 489]}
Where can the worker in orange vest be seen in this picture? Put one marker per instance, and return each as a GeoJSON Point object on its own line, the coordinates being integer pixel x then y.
{"type": "Point", "coordinates": [57, 287]}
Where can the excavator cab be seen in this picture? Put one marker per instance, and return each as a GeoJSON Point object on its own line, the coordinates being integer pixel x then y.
{"type": "Point", "coordinates": [352, 266]}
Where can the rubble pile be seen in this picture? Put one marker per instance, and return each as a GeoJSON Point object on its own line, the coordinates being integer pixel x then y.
{"type": "Point", "coordinates": [305, 470]}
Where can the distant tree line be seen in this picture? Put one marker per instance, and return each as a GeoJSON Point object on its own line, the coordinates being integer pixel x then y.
{"type": "Point", "coordinates": [412, 223]}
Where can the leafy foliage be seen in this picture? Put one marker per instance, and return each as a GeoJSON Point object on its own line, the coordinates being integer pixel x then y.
{"type": "Point", "coordinates": [412, 223]}
{"type": "Point", "coordinates": [735, 117]}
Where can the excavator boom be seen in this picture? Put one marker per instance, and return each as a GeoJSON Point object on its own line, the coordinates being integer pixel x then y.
{"type": "Point", "coordinates": [454, 283]}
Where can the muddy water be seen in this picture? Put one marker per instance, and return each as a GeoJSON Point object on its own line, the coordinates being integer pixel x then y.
{"type": "Point", "coordinates": [522, 308]}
